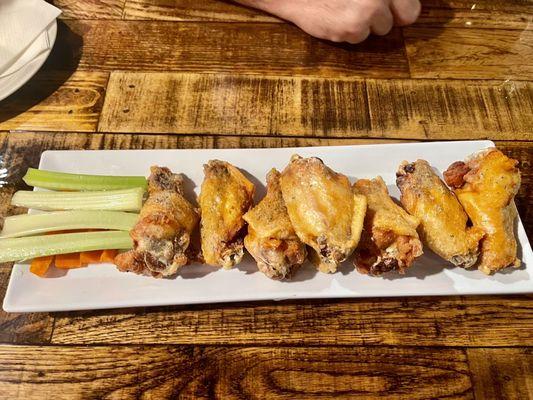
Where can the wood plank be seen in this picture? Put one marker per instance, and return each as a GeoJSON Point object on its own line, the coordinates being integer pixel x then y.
{"type": "Point", "coordinates": [502, 373]}
{"type": "Point", "coordinates": [198, 103]}
{"type": "Point", "coordinates": [22, 328]}
{"type": "Point", "coordinates": [225, 104]}
{"type": "Point", "coordinates": [236, 47]}
{"type": "Point", "coordinates": [513, 14]}
{"type": "Point", "coordinates": [471, 321]}
{"type": "Point", "coordinates": [90, 9]}
{"type": "Point", "coordinates": [484, 14]}
{"type": "Point", "coordinates": [233, 373]}
{"type": "Point", "coordinates": [193, 10]}
{"type": "Point", "coordinates": [56, 100]}
{"type": "Point", "coordinates": [451, 109]}
{"type": "Point", "coordinates": [469, 53]}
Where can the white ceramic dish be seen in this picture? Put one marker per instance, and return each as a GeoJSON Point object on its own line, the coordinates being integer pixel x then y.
{"type": "Point", "coordinates": [13, 82]}
{"type": "Point", "coordinates": [102, 286]}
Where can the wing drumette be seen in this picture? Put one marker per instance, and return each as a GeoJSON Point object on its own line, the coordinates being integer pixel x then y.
{"type": "Point", "coordinates": [225, 197]}
{"type": "Point", "coordinates": [389, 240]}
{"type": "Point", "coordinates": [444, 223]}
{"type": "Point", "coordinates": [486, 186]}
{"type": "Point", "coordinates": [323, 209]}
{"type": "Point", "coordinates": [271, 239]}
{"type": "Point", "coordinates": [161, 237]}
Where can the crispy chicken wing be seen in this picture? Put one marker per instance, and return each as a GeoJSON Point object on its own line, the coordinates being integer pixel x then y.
{"type": "Point", "coordinates": [486, 185]}
{"type": "Point", "coordinates": [225, 197]}
{"type": "Point", "coordinates": [444, 223]}
{"type": "Point", "coordinates": [161, 237]}
{"type": "Point", "coordinates": [271, 239]}
{"type": "Point", "coordinates": [389, 240]}
{"type": "Point", "coordinates": [323, 209]}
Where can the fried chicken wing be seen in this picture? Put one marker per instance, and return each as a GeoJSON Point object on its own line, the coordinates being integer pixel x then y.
{"type": "Point", "coordinates": [271, 239]}
{"type": "Point", "coordinates": [486, 185]}
{"type": "Point", "coordinates": [323, 209]}
{"type": "Point", "coordinates": [444, 223]}
{"type": "Point", "coordinates": [389, 240]}
{"type": "Point", "coordinates": [225, 197]}
{"type": "Point", "coordinates": [162, 235]}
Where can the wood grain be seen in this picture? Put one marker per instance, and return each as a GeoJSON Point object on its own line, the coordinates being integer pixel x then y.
{"type": "Point", "coordinates": [469, 53]}
{"type": "Point", "coordinates": [229, 47]}
{"type": "Point", "coordinates": [56, 100]}
{"type": "Point", "coordinates": [193, 10]}
{"type": "Point", "coordinates": [502, 373]}
{"type": "Point", "coordinates": [396, 108]}
{"type": "Point", "coordinates": [197, 103]}
{"type": "Point", "coordinates": [451, 109]}
{"type": "Point", "coordinates": [22, 328]}
{"type": "Point", "coordinates": [484, 14]}
{"type": "Point", "coordinates": [472, 321]}
{"type": "Point", "coordinates": [90, 9]}
{"type": "Point", "coordinates": [233, 373]}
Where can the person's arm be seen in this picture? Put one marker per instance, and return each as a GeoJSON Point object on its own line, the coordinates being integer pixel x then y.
{"type": "Point", "coordinates": [342, 20]}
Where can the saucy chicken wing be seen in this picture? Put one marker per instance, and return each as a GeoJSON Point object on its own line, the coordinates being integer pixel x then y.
{"type": "Point", "coordinates": [444, 224]}
{"type": "Point", "coordinates": [226, 195]}
{"type": "Point", "coordinates": [323, 209]}
{"type": "Point", "coordinates": [271, 239]}
{"type": "Point", "coordinates": [486, 185]}
{"type": "Point", "coordinates": [162, 235]}
{"type": "Point", "coordinates": [389, 240]}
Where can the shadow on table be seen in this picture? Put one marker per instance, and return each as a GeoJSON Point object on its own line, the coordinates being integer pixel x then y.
{"type": "Point", "coordinates": [57, 69]}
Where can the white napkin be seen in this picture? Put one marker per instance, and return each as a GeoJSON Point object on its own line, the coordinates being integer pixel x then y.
{"type": "Point", "coordinates": [23, 35]}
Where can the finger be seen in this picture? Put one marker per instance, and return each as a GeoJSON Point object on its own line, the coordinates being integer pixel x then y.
{"type": "Point", "coordinates": [358, 36]}
{"type": "Point", "coordinates": [405, 12]}
{"type": "Point", "coordinates": [382, 22]}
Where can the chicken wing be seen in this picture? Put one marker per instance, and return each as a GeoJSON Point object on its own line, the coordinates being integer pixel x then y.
{"type": "Point", "coordinates": [271, 239]}
{"type": "Point", "coordinates": [444, 223]}
{"type": "Point", "coordinates": [323, 209]}
{"type": "Point", "coordinates": [486, 186]}
{"type": "Point", "coordinates": [225, 197]}
{"type": "Point", "coordinates": [389, 240]}
{"type": "Point", "coordinates": [162, 235]}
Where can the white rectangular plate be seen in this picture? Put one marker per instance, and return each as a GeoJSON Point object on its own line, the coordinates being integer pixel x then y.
{"type": "Point", "coordinates": [102, 286]}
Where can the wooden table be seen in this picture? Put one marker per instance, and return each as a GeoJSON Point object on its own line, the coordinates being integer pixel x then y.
{"type": "Point", "coordinates": [129, 74]}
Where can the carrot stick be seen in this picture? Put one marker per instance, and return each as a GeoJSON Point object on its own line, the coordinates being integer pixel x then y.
{"type": "Point", "coordinates": [108, 256]}
{"type": "Point", "coordinates": [71, 260]}
{"type": "Point", "coordinates": [90, 257]}
{"type": "Point", "coordinates": [39, 266]}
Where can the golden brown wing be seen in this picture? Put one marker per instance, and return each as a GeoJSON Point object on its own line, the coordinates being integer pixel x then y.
{"type": "Point", "coordinates": [271, 239]}
{"type": "Point", "coordinates": [225, 197]}
{"type": "Point", "coordinates": [162, 235]}
{"type": "Point", "coordinates": [444, 223]}
{"type": "Point", "coordinates": [323, 209]}
{"type": "Point", "coordinates": [486, 186]}
{"type": "Point", "coordinates": [389, 240]}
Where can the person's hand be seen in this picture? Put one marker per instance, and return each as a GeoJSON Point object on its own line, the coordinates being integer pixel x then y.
{"type": "Point", "coordinates": [343, 20]}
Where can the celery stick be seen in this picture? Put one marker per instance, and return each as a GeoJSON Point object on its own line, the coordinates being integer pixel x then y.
{"type": "Point", "coordinates": [63, 181]}
{"type": "Point", "coordinates": [34, 224]}
{"type": "Point", "coordinates": [117, 200]}
{"type": "Point", "coordinates": [18, 249]}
